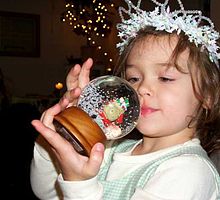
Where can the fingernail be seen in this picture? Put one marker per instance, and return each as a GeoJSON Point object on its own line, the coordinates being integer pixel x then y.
{"type": "Point", "coordinates": [99, 147]}
{"type": "Point", "coordinates": [33, 122]}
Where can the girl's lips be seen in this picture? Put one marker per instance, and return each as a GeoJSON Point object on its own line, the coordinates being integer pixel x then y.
{"type": "Point", "coordinates": [147, 110]}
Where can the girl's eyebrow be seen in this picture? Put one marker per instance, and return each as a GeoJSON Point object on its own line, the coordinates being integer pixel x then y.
{"type": "Point", "coordinates": [161, 64]}
{"type": "Point", "coordinates": [129, 65]}
{"type": "Point", "coordinates": [165, 64]}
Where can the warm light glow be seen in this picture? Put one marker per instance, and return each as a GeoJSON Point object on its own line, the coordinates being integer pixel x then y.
{"type": "Point", "coordinates": [109, 69]}
{"type": "Point", "coordinates": [59, 86]}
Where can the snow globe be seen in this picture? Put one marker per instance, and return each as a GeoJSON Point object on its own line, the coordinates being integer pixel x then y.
{"type": "Point", "coordinates": [108, 109]}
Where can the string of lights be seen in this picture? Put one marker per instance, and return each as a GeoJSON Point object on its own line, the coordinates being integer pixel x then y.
{"type": "Point", "coordinates": [90, 18]}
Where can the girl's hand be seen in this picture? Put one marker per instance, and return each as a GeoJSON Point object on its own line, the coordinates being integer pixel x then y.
{"type": "Point", "coordinates": [73, 165]}
{"type": "Point", "coordinates": [76, 80]}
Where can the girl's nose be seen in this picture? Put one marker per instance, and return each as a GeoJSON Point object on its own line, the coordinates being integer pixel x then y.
{"type": "Point", "coordinates": [145, 90]}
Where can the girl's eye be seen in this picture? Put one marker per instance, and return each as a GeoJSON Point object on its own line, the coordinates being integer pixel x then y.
{"type": "Point", "coordinates": [132, 80]}
{"type": "Point", "coordinates": [166, 79]}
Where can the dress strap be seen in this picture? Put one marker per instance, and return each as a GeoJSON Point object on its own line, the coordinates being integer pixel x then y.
{"type": "Point", "coordinates": [124, 187]}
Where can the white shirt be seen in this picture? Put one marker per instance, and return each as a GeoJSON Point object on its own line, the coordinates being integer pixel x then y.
{"type": "Point", "coordinates": [187, 177]}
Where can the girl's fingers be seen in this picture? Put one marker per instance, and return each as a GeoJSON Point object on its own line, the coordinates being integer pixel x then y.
{"type": "Point", "coordinates": [48, 116]}
{"type": "Point", "coordinates": [85, 72]}
{"type": "Point", "coordinates": [72, 77]}
{"type": "Point", "coordinates": [95, 160]}
{"type": "Point", "coordinates": [77, 79]}
{"type": "Point", "coordinates": [53, 138]}
{"type": "Point", "coordinates": [72, 95]}
{"type": "Point", "coordinates": [79, 76]}
{"type": "Point", "coordinates": [42, 116]}
{"type": "Point", "coordinates": [73, 165]}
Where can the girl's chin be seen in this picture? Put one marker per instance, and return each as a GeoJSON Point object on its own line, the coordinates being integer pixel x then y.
{"type": "Point", "coordinates": [145, 129]}
{"type": "Point", "coordinates": [147, 120]}
{"type": "Point", "coordinates": [148, 125]}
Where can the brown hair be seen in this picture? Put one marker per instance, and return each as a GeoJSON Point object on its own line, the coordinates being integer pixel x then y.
{"type": "Point", "coordinates": [206, 85]}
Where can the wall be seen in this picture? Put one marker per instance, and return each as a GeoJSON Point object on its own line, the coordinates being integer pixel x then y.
{"type": "Point", "coordinates": [27, 75]}
{"type": "Point", "coordinates": [215, 16]}
{"type": "Point", "coordinates": [38, 75]}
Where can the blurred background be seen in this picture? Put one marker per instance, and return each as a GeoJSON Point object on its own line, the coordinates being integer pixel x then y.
{"type": "Point", "coordinates": [40, 40]}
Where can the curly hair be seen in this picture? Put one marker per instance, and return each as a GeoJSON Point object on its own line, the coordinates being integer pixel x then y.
{"type": "Point", "coordinates": [206, 84]}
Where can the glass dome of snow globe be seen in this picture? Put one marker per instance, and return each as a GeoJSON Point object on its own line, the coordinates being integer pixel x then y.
{"type": "Point", "coordinates": [112, 103]}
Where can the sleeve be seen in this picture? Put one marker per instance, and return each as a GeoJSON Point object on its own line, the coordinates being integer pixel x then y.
{"type": "Point", "coordinates": [81, 190]}
{"type": "Point", "coordinates": [187, 177]}
{"type": "Point", "coordinates": [47, 182]}
{"type": "Point", "coordinates": [215, 157]}
{"type": "Point", "coordinates": [44, 172]}
{"type": "Point", "coordinates": [84, 190]}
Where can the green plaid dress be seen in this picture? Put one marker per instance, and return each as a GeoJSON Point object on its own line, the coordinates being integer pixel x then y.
{"type": "Point", "coordinates": [124, 188]}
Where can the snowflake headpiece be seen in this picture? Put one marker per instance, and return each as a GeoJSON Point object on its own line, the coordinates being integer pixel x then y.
{"type": "Point", "coordinates": [187, 21]}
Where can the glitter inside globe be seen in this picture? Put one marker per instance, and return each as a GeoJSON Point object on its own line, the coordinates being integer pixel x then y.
{"type": "Point", "coordinates": [112, 103]}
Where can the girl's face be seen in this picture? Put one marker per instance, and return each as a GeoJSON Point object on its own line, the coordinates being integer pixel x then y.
{"type": "Point", "coordinates": [166, 95]}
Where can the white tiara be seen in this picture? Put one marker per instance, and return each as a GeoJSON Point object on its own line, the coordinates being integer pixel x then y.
{"type": "Point", "coordinates": [188, 21]}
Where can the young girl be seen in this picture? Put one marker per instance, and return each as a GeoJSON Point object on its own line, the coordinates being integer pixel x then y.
{"type": "Point", "coordinates": [172, 63]}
